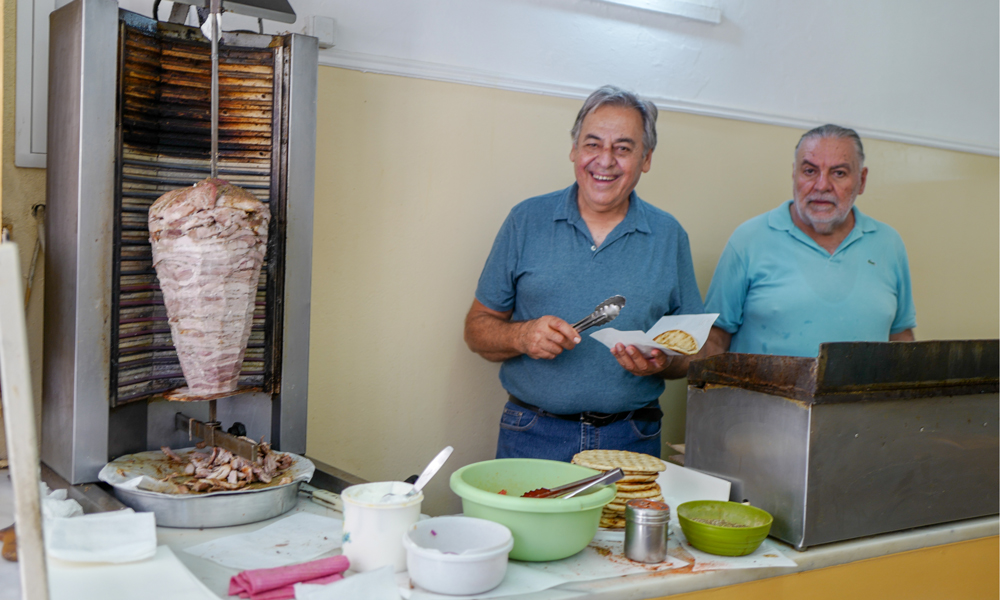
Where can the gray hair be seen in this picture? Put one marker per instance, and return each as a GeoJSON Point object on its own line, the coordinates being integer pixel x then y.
{"type": "Point", "coordinates": [615, 96]}
{"type": "Point", "coordinates": [834, 131]}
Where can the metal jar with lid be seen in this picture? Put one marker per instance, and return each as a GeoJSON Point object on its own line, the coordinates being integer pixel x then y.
{"type": "Point", "coordinates": [646, 530]}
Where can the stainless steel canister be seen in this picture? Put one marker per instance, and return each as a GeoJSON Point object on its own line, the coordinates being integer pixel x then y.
{"type": "Point", "coordinates": [646, 530]}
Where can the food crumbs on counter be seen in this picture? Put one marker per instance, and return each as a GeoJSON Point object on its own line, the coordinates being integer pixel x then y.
{"type": "Point", "coordinates": [502, 492]}
{"type": "Point", "coordinates": [619, 558]}
{"type": "Point", "coordinates": [433, 532]}
{"type": "Point", "coordinates": [280, 545]}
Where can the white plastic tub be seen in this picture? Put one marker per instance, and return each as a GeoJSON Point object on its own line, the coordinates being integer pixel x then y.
{"type": "Point", "coordinates": [457, 555]}
{"type": "Point", "coordinates": [373, 527]}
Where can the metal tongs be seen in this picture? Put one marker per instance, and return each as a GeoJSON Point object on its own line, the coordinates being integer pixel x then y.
{"type": "Point", "coordinates": [605, 312]}
{"type": "Point", "coordinates": [578, 486]}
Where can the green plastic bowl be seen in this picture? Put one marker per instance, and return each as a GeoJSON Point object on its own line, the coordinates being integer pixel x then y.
{"type": "Point", "coordinates": [750, 526]}
{"type": "Point", "coordinates": [543, 528]}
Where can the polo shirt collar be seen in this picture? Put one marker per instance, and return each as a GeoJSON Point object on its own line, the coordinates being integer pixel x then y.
{"type": "Point", "coordinates": [781, 219]}
{"type": "Point", "coordinates": [635, 219]}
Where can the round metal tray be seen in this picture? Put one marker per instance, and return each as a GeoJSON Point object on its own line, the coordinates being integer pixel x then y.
{"type": "Point", "coordinates": [215, 509]}
{"type": "Point", "coordinates": [212, 510]}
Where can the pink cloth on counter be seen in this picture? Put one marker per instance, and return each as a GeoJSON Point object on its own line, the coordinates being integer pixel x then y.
{"type": "Point", "coordinates": [277, 583]}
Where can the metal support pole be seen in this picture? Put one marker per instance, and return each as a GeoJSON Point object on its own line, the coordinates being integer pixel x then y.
{"type": "Point", "coordinates": [19, 424]}
{"type": "Point", "coordinates": [215, 10]}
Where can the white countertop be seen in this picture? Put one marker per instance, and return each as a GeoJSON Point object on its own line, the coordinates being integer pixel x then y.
{"type": "Point", "coordinates": [651, 585]}
{"type": "Point", "coordinates": [638, 586]}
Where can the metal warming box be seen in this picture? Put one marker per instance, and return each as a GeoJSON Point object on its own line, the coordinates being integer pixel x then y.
{"type": "Point", "coordinates": [867, 438]}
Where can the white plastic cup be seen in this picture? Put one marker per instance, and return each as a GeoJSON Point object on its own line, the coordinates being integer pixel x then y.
{"type": "Point", "coordinates": [373, 529]}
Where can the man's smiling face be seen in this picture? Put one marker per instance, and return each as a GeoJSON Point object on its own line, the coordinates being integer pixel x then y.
{"type": "Point", "coordinates": [608, 159]}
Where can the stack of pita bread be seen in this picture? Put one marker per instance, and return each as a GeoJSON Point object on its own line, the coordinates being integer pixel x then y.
{"type": "Point", "coordinates": [641, 471]}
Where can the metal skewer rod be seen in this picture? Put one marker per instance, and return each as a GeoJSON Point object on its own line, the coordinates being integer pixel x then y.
{"type": "Point", "coordinates": [215, 10]}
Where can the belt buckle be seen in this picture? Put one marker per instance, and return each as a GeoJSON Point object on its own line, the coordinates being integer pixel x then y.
{"type": "Point", "coordinates": [597, 419]}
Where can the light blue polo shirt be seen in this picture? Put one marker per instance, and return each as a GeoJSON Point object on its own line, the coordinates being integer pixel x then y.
{"type": "Point", "coordinates": [544, 262]}
{"type": "Point", "coordinates": [779, 292]}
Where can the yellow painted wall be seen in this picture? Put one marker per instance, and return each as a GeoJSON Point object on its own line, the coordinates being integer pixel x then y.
{"type": "Point", "coordinates": [961, 571]}
{"type": "Point", "coordinates": [21, 189]}
{"type": "Point", "coordinates": [414, 178]}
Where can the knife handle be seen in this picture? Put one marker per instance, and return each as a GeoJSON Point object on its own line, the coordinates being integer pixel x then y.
{"type": "Point", "coordinates": [328, 500]}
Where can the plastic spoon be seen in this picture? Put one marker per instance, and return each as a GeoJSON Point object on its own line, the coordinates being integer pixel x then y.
{"type": "Point", "coordinates": [428, 472]}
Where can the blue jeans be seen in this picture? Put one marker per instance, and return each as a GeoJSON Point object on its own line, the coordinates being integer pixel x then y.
{"type": "Point", "coordinates": [526, 434]}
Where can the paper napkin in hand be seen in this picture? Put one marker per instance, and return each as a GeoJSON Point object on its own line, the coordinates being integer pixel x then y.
{"type": "Point", "coordinates": [698, 326]}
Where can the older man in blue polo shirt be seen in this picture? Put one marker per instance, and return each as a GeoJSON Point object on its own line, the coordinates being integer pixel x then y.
{"type": "Point", "coordinates": [555, 258]}
{"type": "Point", "coordinates": [814, 269]}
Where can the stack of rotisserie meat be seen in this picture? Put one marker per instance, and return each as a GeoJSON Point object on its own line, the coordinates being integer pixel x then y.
{"type": "Point", "coordinates": [209, 242]}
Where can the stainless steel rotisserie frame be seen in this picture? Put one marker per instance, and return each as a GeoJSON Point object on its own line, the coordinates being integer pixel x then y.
{"type": "Point", "coordinates": [865, 439]}
{"type": "Point", "coordinates": [82, 426]}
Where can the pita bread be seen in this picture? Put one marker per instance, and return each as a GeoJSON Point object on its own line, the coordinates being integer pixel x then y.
{"type": "Point", "coordinates": [678, 341]}
{"type": "Point", "coordinates": [618, 505]}
{"type": "Point", "coordinates": [632, 463]}
{"type": "Point", "coordinates": [637, 479]}
{"type": "Point", "coordinates": [655, 491]}
{"type": "Point", "coordinates": [635, 487]}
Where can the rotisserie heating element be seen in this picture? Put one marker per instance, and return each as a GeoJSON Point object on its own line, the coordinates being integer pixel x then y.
{"type": "Point", "coordinates": [130, 119]}
{"type": "Point", "coordinates": [164, 122]}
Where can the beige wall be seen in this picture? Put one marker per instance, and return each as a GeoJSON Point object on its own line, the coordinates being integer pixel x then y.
{"type": "Point", "coordinates": [413, 180]}
{"type": "Point", "coordinates": [20, 190]}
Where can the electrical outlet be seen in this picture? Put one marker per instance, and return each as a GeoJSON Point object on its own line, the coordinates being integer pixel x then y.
{"type": "Point", "coordinates": [321, 28]}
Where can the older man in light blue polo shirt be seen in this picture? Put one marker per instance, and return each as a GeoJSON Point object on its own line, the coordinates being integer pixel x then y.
{"type": "Point", "coordinates": [814, 269]}
{"type": "Point", "coordinates": [555, 258]}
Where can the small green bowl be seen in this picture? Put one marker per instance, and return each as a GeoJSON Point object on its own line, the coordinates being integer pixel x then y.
{"type": "Point", "coordinates": [543, 528]}
{"type": "Point", "coordinates": [750, 525]}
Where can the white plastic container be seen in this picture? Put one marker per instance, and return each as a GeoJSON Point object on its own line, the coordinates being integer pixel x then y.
{"type": "Point", "coordinates": [457, 555]}
{"type": "Point", "coordinates": [373, 529]}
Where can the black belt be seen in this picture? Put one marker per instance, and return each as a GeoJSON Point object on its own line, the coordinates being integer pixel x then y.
{"type": "Point", "coordinates": [646, 413]}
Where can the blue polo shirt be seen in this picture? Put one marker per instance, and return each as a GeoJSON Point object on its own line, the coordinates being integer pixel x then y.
{"type": "Point", "coordinates": [779, 292]}
{"type": "Point", "coordinates": [544, 262]}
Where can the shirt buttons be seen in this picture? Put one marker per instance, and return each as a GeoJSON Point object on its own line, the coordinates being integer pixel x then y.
{"type": "Point", "coordinates": [592, 248]}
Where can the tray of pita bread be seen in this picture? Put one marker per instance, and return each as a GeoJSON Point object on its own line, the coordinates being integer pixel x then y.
{"type": "Point", "coordinates": [673, 334]}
